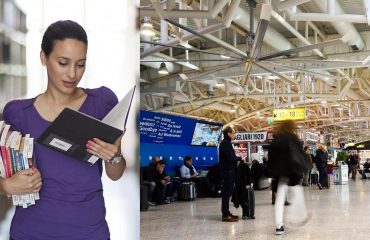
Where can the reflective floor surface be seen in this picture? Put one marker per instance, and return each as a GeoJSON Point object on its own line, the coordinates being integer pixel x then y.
{"type": "Point", "coordinates": [341, 212]}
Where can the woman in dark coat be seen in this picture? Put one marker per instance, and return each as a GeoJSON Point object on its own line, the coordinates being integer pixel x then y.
{"type": "Point", "coordinates": [286, 163]}
{"type": "Point", "coordinates": [321, 163]}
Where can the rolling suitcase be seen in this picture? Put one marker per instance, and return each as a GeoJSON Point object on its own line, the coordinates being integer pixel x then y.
{"type": "Point", "coordinates": [144, 198]}
{"type": "Point", "coordinates": [248, 209]}
{"type": "Point", "coordinates": [314, 178]}
{"type": "Point", "coordinates": [187, 191]}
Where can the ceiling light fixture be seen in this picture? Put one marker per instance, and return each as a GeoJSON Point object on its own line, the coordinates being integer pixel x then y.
{"type": "Point", "coordinates": [232, 110]}
{"type": "Point", "coordinates": [220, 83]}
{"type": "Point", "coordinates": [147, 28]}
{"type": "Point", "coordinates": [162, 69]}
{"type": "Point", "coordinates": [224, 57]}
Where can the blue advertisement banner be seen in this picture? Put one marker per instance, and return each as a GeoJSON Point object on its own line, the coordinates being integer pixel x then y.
{"type": "Point", "coordinates": [162, 128]}
{"type": "Point", "coordinates": [165, 129]}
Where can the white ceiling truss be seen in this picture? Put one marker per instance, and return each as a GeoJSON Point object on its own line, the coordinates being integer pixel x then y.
{"type": "Point", "coordinates": [216, 73]}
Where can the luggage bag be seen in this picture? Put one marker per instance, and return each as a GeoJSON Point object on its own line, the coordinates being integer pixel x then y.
{"type": "Point", "coordinates": [314, 179]}
{"type": "Point", "coordinates": [248, 209]}
{"type": "Point", "coordinates": [187, 191]}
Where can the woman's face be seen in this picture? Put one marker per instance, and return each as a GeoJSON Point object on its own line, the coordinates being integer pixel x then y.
{"type": "Point", "coordinates": [65, 64]}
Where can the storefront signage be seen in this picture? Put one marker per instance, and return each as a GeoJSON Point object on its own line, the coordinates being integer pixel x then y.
{"type": "Point", "coordinates": [250, 137]}
{"type": "Point", "coordinates": [288, 114]}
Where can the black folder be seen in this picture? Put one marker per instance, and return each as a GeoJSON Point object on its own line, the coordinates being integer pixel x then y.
{"type": "Point", "coordinates": [71, 130]}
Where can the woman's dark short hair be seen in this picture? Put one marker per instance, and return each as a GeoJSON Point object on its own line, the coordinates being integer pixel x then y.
{"type": "Point", "coordinates": [62, 30]}
{"type": "Point", "coordinates": [187, 158]}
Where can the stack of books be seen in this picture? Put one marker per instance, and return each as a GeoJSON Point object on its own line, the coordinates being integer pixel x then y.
{"type": "Point", "coordinates": [16, 155]}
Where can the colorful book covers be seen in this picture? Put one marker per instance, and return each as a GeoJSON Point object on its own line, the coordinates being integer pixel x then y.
{"type": "Point", "coordinates": [16, 155]}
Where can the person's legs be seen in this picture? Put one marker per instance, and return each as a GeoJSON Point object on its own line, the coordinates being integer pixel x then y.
{"type": "Point", "coordinates": [168, 190]}
{"type": "Point", "coordinates": [325, 181]}
{"type": "Point", "coordinates": [151, 190]}
{"type": "Point", "coordinates": [353, 170]}
{"type": "Point", "coordinates": [298, 208]}
{"type": "Point", "coordinates": [159, 193]}
{"type": "Point", "coordinates": [174, 188]}
{"type": "Point", "coordinates": [227, 191]}
{"type": "Point", "coordinates": [274, 186]}
{"type": "Point", "coordinates": [322, 179]}
{"type": "Point", "coordinates": [281, 194]}
{"type": "Point", "coordinates": [245, 210]}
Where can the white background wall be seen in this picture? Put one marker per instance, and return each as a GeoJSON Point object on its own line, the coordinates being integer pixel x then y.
{"type": "Point", "coordinates": [112, 61]}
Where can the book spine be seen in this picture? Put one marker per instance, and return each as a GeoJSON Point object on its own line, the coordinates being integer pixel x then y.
{"type": "Point", "coordinates": [10, 163]}
{"type": "Point", "coordinates": [13, 160]}
{"type": "Point", "coordinates": [19, 161]}
{"type": "Point", "coordinates": [2, 168]}
{"type": "Point", "coordinates": [5, 160]}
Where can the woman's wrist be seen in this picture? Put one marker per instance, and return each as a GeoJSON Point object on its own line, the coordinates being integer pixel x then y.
{"type": "Point", "coordinates": [116, 159]}
{"type": "Point", "coordinates": [3, 189]}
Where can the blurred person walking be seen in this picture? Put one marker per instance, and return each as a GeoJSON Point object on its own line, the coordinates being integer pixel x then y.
{"type": "Point", "coordinates": [287, 163]}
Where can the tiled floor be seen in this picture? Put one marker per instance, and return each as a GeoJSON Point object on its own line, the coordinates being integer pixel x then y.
{"type": "Point", "coordinates": [341, 212]}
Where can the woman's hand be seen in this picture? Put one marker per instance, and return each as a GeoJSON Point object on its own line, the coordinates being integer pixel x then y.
{"type": "Point", "coordinates": [104, 150]}
{"type": "Point", "coordinates": [23, 182]}
{"type": "Point", "coordinates": [107, 151]}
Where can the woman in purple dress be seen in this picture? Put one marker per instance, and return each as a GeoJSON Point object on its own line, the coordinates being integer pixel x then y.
{"type": "Point", "coordinates": [71, 204]}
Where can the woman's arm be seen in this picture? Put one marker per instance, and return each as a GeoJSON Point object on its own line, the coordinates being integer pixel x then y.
{"type": "Point", "coordinates": [115, 171]}
{"type": "Point", "coordinates": [23, 182]}
{"type": "Point", "coordinates": [107, 152]}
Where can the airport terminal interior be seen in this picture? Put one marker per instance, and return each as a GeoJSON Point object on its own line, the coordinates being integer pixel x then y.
{"type": "Point", "coordinates": [250, 64]}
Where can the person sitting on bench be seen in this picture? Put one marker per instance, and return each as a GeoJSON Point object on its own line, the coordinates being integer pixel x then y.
{"type": "Point", "coordinates": [189, 173]}
{"type": "Point", "coordinates": [163, 189]}
{"type": "Point", "coordinates": [187, 170]}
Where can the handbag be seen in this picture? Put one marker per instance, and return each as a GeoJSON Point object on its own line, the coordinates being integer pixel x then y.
{"type": "Point", "coordinates": [298, 161]}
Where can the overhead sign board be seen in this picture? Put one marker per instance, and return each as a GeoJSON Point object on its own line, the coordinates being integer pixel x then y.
{"type": "Point", "coordinates": [289, 114]}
